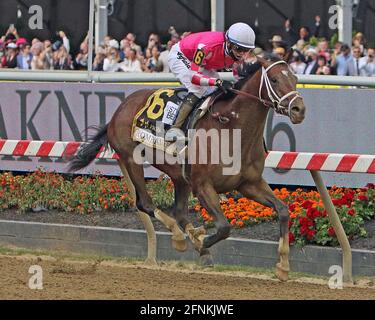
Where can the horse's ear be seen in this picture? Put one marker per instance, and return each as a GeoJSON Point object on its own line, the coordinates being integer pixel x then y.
{"type": "Point", "coordinates": [288, 56]}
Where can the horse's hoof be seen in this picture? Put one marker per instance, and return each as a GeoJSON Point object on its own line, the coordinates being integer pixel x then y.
{"type": "Point", "coordinates": [179, 245]}
{"type": "Point", "coordinates": [199, 231]}
{"type": "Point", "coordinates": [281, 273]}
{"type": "Point", "coordinates": [206, 261]}
{"type": "Point", "coordinates": [196, 235]}
{"type": "Point", "coordinates": [151, 262]}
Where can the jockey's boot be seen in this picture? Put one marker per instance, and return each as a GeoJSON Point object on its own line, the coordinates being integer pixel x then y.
{"type": "Point", "coordinates": [187, 105]}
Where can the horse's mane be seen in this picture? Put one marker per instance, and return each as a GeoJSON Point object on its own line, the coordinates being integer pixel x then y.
{"type": "Point", "coordinates": [247, 70]}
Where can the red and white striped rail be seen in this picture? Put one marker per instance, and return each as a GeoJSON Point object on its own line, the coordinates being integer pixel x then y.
{"type": "Point", "coordinates": [334, 162]}
{"type": "Point", "coordinates": [54, 149]}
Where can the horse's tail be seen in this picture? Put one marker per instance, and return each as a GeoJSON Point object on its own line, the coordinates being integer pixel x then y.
{"type": "Point", "coordinates": [87, 153]}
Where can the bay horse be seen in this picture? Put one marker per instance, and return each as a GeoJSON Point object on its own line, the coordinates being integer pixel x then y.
{"type": "Point", "coordinates": [271, 85]}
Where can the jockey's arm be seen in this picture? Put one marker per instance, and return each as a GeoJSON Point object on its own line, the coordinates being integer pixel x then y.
{"type": "Point", "coordinates": [199, 79]}
{"type": "Point", "coordinates": [197, 67]}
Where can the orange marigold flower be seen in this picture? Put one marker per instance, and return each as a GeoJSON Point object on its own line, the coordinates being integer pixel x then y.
{"type": "Point", "coordinates": [231, 216]}
{"type": "Point", "coordinates": [240, 223]}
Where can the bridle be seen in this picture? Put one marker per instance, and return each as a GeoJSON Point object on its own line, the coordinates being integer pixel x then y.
{"type": "Point", "coordinates": [275, 101]}
{"type": "Point", "coordinates": [272, 95]}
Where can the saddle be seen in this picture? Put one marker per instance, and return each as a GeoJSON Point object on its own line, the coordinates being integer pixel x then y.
{"type": "Point", "coordinates": [158, 115]}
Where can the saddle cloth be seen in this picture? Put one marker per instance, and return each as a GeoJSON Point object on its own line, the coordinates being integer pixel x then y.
{"type": "Point", "coordinates": [157, 116]}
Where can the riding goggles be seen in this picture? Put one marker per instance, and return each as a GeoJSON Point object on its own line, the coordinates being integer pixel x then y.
{"type": "Point", "coordinates": [238, 48]}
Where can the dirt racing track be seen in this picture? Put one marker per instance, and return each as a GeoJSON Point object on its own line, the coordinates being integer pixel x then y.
{"type": "Point", "coordinates": [89, 278]}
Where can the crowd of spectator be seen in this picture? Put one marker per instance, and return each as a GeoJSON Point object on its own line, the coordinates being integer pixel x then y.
{"type": "Point", "coordinates": [125, 55]}
{"type": "Point", "coordinates": [311, 54]}
{"type": "Point", "coordinates": [17, 52]}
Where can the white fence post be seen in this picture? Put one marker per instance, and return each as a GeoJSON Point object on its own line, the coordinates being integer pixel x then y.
{"type": "Point", "coordinates": [90, 39]}
{"type": "Point", "coordinates": [337, 226]}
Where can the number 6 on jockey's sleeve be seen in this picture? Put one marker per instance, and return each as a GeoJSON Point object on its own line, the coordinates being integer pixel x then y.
{"type": "Point", "coordinates": [198, 57]}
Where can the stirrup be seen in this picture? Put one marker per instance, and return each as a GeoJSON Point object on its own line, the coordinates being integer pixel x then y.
{"type": "Point", "coordinates": [174, 134]}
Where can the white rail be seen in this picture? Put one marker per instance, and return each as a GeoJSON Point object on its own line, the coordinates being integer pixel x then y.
{"type": "Point", "coordinates": [103, 77]}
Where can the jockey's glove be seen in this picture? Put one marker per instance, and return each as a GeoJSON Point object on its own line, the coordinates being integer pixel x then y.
{"type": "Point", "coordinates": [224, 85]}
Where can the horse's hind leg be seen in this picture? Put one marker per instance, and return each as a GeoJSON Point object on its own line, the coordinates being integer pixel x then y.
{"type": "Point", "coordinates": [144, 203]}
{"type": "Point", "coordinates": [196, 235]}
{"type": "Point", "coordinates": [262, 193]}
{"type": "Point", "coordinates": [181, 196]}
{"type": "Point", "coordinates": [145, 218]}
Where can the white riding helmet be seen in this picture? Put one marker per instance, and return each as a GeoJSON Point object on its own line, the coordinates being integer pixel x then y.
{"type": "Point", "coordinates": [242, 35]}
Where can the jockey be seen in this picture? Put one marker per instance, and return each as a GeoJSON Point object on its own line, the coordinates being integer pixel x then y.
{"type": "Point", "coordinates": [195, 59]}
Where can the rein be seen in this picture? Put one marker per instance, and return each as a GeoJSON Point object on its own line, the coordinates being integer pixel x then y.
{"type": "Point", "coordinates": [251, 96]}
{"type": "Point", "coordinates": [275, 100]}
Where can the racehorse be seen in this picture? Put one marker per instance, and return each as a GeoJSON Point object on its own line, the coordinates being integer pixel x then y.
{"type": "Point", "coordinates": [271, 85]}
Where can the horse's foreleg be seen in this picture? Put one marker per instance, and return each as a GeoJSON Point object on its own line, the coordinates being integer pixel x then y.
{"type": "Point", "coordinates": [196, 235]}
{"type": "Point", "coordinates": [144, 203]}
{"type": "Point", "coordinates": [210, 200]}
{"type": "Point", "coordinates": [262, 193]}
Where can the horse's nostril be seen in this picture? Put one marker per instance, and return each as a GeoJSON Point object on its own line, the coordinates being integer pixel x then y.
{"type": "Point", "coordinates": [298, 109]}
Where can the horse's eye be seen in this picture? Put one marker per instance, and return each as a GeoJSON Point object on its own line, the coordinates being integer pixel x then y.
{"type": "Point", "coordinates": [274, 80]}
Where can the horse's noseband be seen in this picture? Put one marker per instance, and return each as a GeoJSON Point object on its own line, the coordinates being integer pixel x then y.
{"type": "Point", "coordinates": [273, 96]}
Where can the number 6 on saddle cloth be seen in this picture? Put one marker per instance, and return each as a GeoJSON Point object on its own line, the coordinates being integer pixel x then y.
{"type": "Point", "coordinates": [159, 114]}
